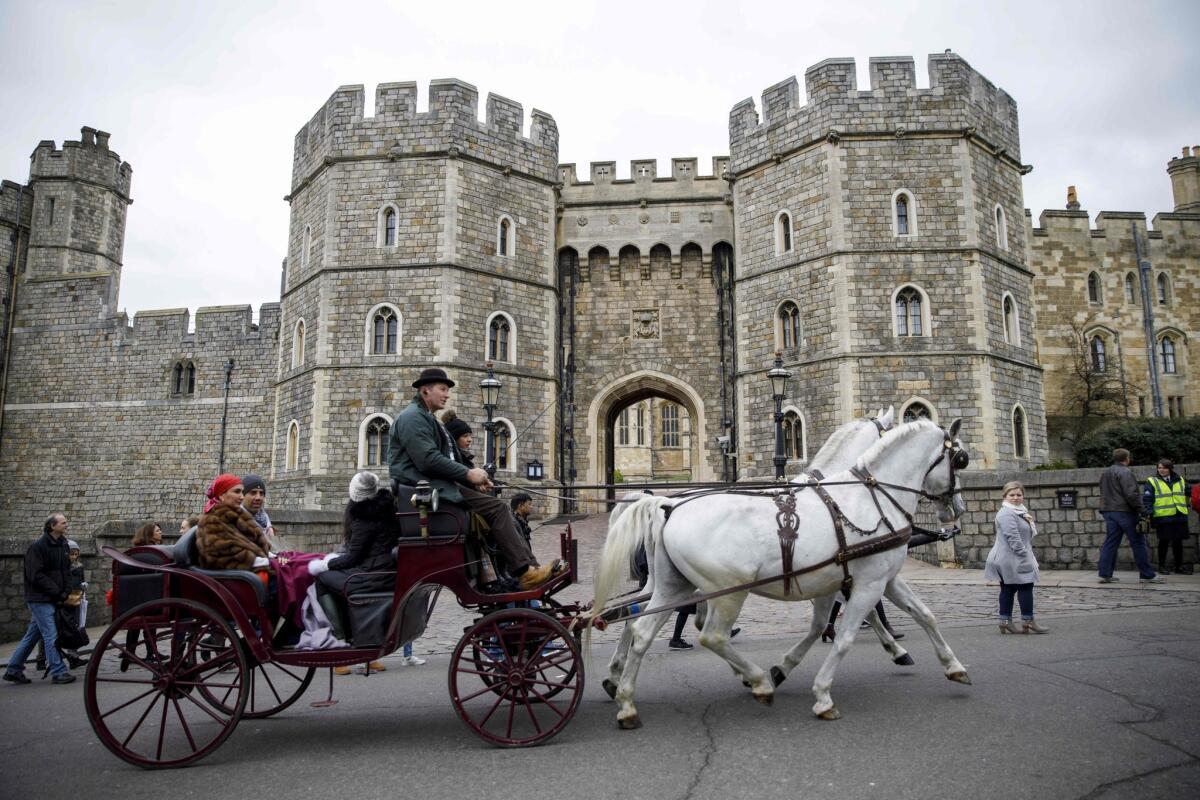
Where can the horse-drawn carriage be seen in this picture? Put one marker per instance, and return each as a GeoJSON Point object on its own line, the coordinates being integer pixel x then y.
{"type": "Point", "coordinates": [190, 651]}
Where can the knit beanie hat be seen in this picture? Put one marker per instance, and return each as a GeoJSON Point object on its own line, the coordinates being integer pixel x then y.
{"type": "Point", "coordinates": [72, 544]}
{"type": "Point", "coordinates": [219, 486]}
{"type": "Point", "coordinates": [456, 426]}
{"type": "Point", "coordinates": [251, 482]}
{"type": "Point", "coordinates": [364, 486]}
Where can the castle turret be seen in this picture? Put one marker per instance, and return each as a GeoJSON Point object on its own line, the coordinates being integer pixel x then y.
{"type": "Point", "coordinates": [1185, 180]}
{"type": "Point", "coordinates": [880, 245]}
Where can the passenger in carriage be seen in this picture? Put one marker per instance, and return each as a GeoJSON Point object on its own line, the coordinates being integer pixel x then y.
{"type": "Point", "coordinates": [227, 536]}
{"type": "Point", "coordinates": [255, 501]}
{"type": "Point", "coordinates": [148, 534]}
{"type": "Point", "coordinates": [463, 437]}
{"type": "Point", "coordinates": [420, 448]}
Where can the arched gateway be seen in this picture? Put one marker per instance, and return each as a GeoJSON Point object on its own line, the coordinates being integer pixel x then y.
{"type": "Point", "coordinates": [626, 390]}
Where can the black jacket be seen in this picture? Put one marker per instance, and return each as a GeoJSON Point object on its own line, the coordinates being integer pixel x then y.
{"type": "Point", "coordinates": [47, 570]}
{"type": "Point", "coordinates": [373, 533]}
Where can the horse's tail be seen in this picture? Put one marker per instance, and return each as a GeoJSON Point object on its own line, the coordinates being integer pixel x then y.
{"type": "Point", "coordinates": [635, 526]}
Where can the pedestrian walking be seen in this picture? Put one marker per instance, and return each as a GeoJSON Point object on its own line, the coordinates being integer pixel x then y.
{"type": "Point", "coordinates": [1012, 562]}
{"type": "Point", "coordinates": [1165, 500]}
{"type": "Point", "coordinates": [47, 575]}
{"type": "Point", "coordinates": [1120, 504]}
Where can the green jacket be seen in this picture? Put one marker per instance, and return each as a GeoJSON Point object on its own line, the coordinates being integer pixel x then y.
{"type": "Point", "coordinates": [418, 449]}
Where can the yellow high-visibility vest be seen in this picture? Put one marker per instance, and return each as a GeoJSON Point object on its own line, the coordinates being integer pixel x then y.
{"type": "Point", "coordinates": [1169, 499]}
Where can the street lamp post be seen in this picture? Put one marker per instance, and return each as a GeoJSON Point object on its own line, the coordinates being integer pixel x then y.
{"type": "Point", "coordinates": [490, 386]}
{"type": "Point", "coordinates": [779, 378]}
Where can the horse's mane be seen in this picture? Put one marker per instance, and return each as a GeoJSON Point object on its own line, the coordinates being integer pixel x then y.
{"type": "Point", "coordinates": [902, 433]}
{"type": "Point", "coordinates": [834, 443]}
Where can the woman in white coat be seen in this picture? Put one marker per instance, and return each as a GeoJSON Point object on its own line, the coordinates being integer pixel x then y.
{"type": "Point", "coordinates": [1011, 560]}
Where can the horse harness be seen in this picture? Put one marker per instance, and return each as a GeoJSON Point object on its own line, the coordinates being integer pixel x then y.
{"type": "Point", "coordinates": [789, 522]}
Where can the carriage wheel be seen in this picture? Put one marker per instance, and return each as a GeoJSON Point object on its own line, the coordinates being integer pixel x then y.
{"type": "Point", "coordinates": [142, 700]}
{"type": "Point", "coordinates": [506, 673]}
{"type": "Point", "coordinates": [272, 687]}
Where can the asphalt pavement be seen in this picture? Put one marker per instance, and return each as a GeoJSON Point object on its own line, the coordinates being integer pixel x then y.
{"type": "Point", "coordinates": [1105, 706]}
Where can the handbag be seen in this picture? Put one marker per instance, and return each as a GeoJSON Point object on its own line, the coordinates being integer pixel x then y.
{"type": "Point", "coordinates": [70, 635]}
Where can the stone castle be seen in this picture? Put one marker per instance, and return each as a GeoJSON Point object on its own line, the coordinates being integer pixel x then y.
{"type": "Point", "coordinates": [874, 236]}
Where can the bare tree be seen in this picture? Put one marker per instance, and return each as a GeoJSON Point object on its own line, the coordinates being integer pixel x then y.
{"type": "Point", "coordinates": [1096, 387]}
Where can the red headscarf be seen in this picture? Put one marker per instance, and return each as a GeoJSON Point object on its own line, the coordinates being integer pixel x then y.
{"type": "Point", "coordinates": [219, 486]}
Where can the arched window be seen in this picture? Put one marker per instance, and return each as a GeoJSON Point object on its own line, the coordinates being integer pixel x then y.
{"type": "Point", "coordinates": [500, 338]}
{"type": "Point", "coordinates": [1130, 296]}
{"type": "Point", "coordinates": [383, 333]}
{"type": "Point", "coordinates": [787, 327]}
{"type": "Point", "coordinates": [639, 424]}
{"type": "Point", "coordinates": [305, 245]}
{"type": "Point", "coordinates": [373, 448]}
{"type": "Point", "coordinates": [917, 409]}
{"type": "Point", "coordinates": [386, 235]}
{"type": "Point", "coordinates": [1163, 286]}
{"type": "Point", "coordinates": [793, 435]}
{"type": "Point", "coordinates": [1012, 321]}
{"type": "Point", "coordinates": [1099, 357]}
{"type": "Point", "coordinates": [1020, 434]}
{"type": "Point", "coordinates": [783, 233]}
{"type": "Point", "coordinates": [670, 425]}
{"type": "Point", "coordinates": [904, 213]}
{"type": "Point", "coordinates": [183, 378]}
{"type": "Point", "coordinates": [292, 454]}
{"type": "Point", "coordinates": [628, 260]}
{"type": "Point", "coordinates": [623, 427]}
{"type": "Point", "coordinates": [1001, 229]}
{"type": "Point", "coordinates": [1093, 284]}
{"type": "Point", "coordinates": [506, 236]}
{"type": "Point", "coordinates": [910, 313]}
{"type": "Point", "coordinates": [505, 452]}
{"type": "Point", "coordinates": [298, 344]}
{"type": "Point", "coordinates": [1166, 352]}
{"type": "Point", "coordinates": [597, 262]}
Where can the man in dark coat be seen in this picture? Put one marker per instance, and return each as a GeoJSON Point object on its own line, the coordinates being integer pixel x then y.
{"type": "Point", "coordinates": [47, 575]}
{"type": "Point", "coordinates": [420, 448]}
{"type": "Point", "coordinates": [1120, 504]}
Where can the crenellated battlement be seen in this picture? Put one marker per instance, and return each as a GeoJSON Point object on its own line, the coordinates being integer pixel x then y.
{"type": "Point", "coordinates": [15, 199]}
{"type": "Point", "coordinates": [340, 129]}
{"type": "Point", "coordinates": [642, 171]}
{"type": "Point", "coordinates": [88, 159]}
{"type": "Point", "coordinates": [957, 99]}
{"type": "Point", "coordinates": [224, 323]}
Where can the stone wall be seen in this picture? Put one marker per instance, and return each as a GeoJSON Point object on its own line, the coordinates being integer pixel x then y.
{"type": "Point", "coordinates": [1066, 250]}
{"type": "Point", "coordinates": [1067, 538]}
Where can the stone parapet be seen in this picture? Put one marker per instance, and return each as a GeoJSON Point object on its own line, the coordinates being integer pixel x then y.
{"type": "Point", "coordinates": [957, 99]}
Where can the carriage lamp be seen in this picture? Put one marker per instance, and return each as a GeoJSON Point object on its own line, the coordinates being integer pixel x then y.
{"type": "Point", "coordinates": [534, 470]}
{"type": "Point", "coordinates": [490, 386]}
{"type": "Point", "coordinates": [779, 379]}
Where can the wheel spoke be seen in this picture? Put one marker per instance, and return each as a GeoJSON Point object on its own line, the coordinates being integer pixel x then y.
{"type": "Point", "coordinates": [128, 703]}
{"type": "Point", "coordinates": [491, 687]}
{"type": "Point", "coordinates": [141, 719]}
{"type": "Point", "coordinates": [162, 729]}
{"type": "Point", "coordinates": [186, 730]}
{"type": "Point", "coordinates": [495, 705]}
{"type": "Point", "coordinates": [532, 716]}
{"type": "Point", "coordinates": [547, 702]}
{"type": "Point", "coordinates": [206, 710]}
{"type": "Point", "coordinates": [512, 710]}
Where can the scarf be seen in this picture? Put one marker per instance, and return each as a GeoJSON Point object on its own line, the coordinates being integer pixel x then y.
{"type": "Point", "coordinates": [1024, 512]}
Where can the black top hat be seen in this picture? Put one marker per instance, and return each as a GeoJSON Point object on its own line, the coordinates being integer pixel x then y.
{"type": "Point", "coordinates": [433, 375]}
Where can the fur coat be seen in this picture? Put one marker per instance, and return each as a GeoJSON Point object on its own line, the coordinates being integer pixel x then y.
{"type": "Point", "coordinates": [229, 538]}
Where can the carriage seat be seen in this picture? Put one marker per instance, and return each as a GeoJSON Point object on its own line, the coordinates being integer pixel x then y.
{"type": "Point", "coordinates": [187, 556]}
{"type": "Point", "coordinates": [449, 522]}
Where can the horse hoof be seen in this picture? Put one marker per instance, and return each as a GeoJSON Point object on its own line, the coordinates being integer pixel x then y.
{"type": "Point", "coordinates": [830, 714]}
{"type": "Point", "coordinates": [778, 676]}
{"type": "Point", "coordinates": [960, 677]}
{"type": "Point", "coordinates": [629, 723]}
{"type": "Point", "coordinates": [610, 688]}
{"type": "Point", "coordinates": [765, 699]}
{"type": "Point", "coordinates": [745, 683]}
{"type": "Point", "coordinates": [904, 660]}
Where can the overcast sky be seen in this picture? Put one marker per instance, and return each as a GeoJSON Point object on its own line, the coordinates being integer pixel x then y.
{"type": "Point", "coordinates": [204, 99]}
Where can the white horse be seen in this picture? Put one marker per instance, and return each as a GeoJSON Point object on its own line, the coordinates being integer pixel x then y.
{"type": "Point", "coordinates": [840, 451]}
{"type": "Point", "coordinates": [721, 542]}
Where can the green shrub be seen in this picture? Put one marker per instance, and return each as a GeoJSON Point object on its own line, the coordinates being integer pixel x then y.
{"type": "Point", "coordinates": [1147, 439]}
{"type": "Point", "coordinates": [618, 477]}
{"type": "Point", "coordinates": [1057, 463]}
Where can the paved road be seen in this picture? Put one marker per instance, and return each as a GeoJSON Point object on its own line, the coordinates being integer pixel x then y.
{"type": "Point", "coordinates": [1103, 707]}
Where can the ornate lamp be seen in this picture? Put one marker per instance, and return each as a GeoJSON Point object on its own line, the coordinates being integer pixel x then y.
{"type": "Point", "coordinates": [490, 387]}
{"type": "Point", "coordinates": [779, 380]}
{"type": "Point", "coordinates": [534, 470]}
